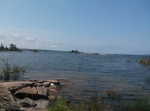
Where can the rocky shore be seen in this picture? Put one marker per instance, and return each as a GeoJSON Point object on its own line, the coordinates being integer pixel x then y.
{"type": "Point", "coordinates": [32, 95]}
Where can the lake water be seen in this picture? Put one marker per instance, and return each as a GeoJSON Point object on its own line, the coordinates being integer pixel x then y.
{"type": "Point", "coordinates": [85, 72]}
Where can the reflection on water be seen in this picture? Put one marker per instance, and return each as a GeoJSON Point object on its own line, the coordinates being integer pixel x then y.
{"type": "Point", "coordinates": [85, 72]}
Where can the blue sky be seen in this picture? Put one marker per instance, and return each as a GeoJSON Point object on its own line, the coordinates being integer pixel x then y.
{"type": "Point", "coordinates": [103, 26]}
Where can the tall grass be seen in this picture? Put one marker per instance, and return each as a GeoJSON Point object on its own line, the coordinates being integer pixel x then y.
{"type": "Point", "coordinates": [139, 105]}
{"type": "Point", "coordinates": [62, 105]}
{"type": "Point", "coordinates": [59, 105]}
{"type": "Point", "coordinates": [11, 73]}
{"type": "Point", "coordinates": [100, 105]}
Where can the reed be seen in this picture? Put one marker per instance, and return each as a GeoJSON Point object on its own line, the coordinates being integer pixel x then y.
{"type": "Point", "coordinates": [11, 73]}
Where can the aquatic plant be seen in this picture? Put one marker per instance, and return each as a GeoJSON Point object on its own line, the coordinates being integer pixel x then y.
{"type": "Point", "coordinates": [145, 61]}
{"type": "Point", "coordinates": [11, 73]}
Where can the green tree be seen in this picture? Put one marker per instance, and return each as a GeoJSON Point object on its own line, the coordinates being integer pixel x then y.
{"type": "Point", "coordinates": [2, 47]}
{"type": "Point", "coordinates": [6, 48]}
{"type": "Point", "coordinates": [13, 47]}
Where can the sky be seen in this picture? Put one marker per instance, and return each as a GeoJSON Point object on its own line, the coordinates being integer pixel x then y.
{"type": "Point", "coordinates": [100, 26]}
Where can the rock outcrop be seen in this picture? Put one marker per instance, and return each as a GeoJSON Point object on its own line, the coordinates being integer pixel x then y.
{"type": "Point", "coordinates": [25, 95]}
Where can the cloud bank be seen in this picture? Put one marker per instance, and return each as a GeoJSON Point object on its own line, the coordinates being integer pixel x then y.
{"type": "Point", "coordinates": [23, 40]}
{"type": "Point", "coordinates": [31, 41]}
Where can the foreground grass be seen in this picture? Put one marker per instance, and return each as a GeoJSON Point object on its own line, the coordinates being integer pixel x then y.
{"type": "Point", "coordinates": [139, 105]}
{"type": "Point", "coordinates": [62, 105]}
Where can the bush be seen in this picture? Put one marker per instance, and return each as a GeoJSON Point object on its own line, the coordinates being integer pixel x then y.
{"type": "Point", "coordinates": [11, 73]}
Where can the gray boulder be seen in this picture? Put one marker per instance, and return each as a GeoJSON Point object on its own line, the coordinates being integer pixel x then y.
{"type": "Point", "coordinates": [27, 102]}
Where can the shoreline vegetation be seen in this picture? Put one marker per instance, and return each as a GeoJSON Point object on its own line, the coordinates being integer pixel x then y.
{"type": "Point", "coordinates": [11, 72]}
{"type": "Point", "coordinates": [12, 47]}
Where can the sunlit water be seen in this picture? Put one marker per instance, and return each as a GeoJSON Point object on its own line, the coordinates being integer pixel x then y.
{"type": "Point", "coordinates": [85, 72]}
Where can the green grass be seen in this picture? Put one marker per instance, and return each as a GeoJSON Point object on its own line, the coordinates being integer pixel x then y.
{"type": "Point", "coordinates": [100, 105]}
{"type": "Point", "coordinates": [95, 105]}
{"type": "Point", "coordinates": [139, 105]}
{"type": "Point", "coordinates": [60, 105]}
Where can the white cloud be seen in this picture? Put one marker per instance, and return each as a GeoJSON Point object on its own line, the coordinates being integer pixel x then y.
{"type": "Point", "coordinates": [30, 39]}
{"type": "Point", "coordinates": [53, 46]}
{"type": "Point", "coordinates": [21, 40]}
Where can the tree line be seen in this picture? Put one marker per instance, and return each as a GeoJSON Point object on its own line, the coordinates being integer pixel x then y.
{"type": "Point", "coordinates": [12, 47]}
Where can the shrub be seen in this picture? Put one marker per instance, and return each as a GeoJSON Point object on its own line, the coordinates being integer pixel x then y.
{"type": "Point", "coordinates": [11, 73]}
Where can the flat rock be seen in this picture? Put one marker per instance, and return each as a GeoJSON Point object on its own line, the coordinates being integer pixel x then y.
{"type": "Point", "coordinates": [42, 91]}
{"type": "Point", "coordinates": [32, 95]}
{"type": "Point", "coordinates": [38, 84]}
{"type": "Point", "coordinates": [27, 90]}
{"type": "Point", "coordinates": [46, 84]}
{"type": "Point", "coordinates": [56, 82]}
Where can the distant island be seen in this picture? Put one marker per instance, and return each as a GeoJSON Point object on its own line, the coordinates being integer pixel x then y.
{"type": "Point", "coordinates": [74, 51]}
{"type": "Point", "coordinates": [12, 47]}
{"type": "Point", "coordinates": [78, 52]}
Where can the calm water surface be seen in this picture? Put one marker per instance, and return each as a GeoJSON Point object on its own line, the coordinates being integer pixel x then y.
{"type": "Point", "coordinates": [86, 72]}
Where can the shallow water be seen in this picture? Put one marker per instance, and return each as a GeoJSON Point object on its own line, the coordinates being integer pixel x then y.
{"type": "Point", "coordinates": [86, 72]}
